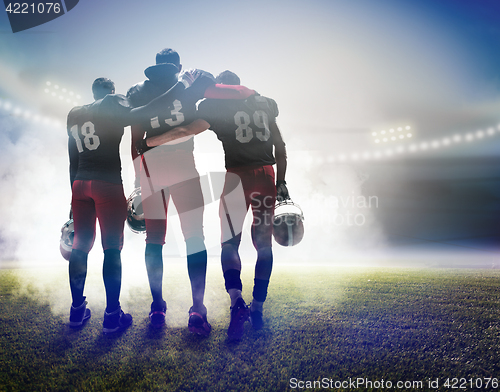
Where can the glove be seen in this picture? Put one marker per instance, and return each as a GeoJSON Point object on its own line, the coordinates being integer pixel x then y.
{"type": "Point", "coordinates": [141, 147]}
{"type": "Point", "coordinates": [190, 76]}
{"type": "Point", "coordinates": [282, 191]}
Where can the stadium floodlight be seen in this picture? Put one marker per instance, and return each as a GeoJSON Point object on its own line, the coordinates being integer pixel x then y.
{"type": "Point", "coordinates": [469, 137]}
{"type": "Point", "coordinates": [480, 134]}
{"type": "Point", "coordinates": [490, 131]}
{"type": "Point", "coordinates": [393, 134]}
{"type": "Point", "coordinates": [61, 93]}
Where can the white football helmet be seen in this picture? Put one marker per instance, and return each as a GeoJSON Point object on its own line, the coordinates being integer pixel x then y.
{"type": "Point", "coordinates": [135, 214]}
{"type": "Point", "coordinates": [67, 235]}
{"type": "Point", "coordinates": [288, 223]}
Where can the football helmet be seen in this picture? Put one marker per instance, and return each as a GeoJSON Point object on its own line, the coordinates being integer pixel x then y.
{"type": "Point", "coordinates": [67, 235]}
{"type": "Point", "coordinates": [288, 223]}
{"type": "Point", "coordinates": [135, 214]}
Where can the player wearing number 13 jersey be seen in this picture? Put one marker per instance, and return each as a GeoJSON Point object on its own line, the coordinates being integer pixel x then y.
{"type": "Point", "coordinates": [169, 172]}
{"type": "Point", "coordinates": [251, 140]}
{"type": "Point", "coordinates": [95, 132]}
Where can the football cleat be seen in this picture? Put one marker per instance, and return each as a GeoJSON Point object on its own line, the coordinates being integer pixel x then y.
{"type": "Point", "coordinates": [256, 320]}
{"type": "Point", "coordinates": [67, 236]}
{"type": "Point", "coordinates": [198, 324]}
{"type": "Point", "coordinates": [78, 316]}
{"type": "Point", "coordinates": [240, 313]}
{"type": "Point", "coordinates": [288, 223]}
{"type": "Point", "coordinates": [116, 321]}
{"type": "Point", "coordinates": [135, 213]}
{"type": "Point", "coordinates": [157, 314]}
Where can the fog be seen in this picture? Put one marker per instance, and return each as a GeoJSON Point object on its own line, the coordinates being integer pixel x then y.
{"type": "Point", "coordinates": [338, 71]}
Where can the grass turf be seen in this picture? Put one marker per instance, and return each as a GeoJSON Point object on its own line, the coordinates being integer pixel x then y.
{"type": "Point", "coordinates": [323, 323]}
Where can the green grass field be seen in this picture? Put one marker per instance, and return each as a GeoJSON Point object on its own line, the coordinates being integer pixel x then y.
{"type": "Point", "coordinates": [324, 324]}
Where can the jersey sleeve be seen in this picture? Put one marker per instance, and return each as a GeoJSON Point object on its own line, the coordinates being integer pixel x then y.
{"type": "Point", "coordinates": [115, 108]}
{"type": "Point", "coordinates": [207, 111]}
{"type": "Point", "coordinates": [226, 91]}
{"type": "Point", "coordinates": [273, 106]}
{"type": "Point", "coordinates": [72, 149]}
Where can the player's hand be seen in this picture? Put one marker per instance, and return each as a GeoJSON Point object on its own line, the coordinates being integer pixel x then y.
{"type": "Point", "coordinates": [190, 76]}
{"type": "Point", "coordinates": [141, 146]}
{"type": "Point", "coordinates": [282, 191]}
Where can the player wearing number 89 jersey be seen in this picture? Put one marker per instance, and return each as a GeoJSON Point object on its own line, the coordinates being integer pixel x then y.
{"type": "Point", "coordinates": [95, 132]}
{"type": "Point", "coordinates": [243, 129]}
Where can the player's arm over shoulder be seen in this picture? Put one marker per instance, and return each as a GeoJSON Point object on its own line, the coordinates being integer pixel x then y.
{"type": "Point", "coordinates": [115, 108]}
{"type": "Point", "coordinates": [178, 134]}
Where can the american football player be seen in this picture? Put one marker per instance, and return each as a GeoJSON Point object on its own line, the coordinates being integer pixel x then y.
{"type": "Point", "coordinates": [94, 135]}
{"type": "Point", "coordinates": [169, 172]}
{"type": "Point", "coordinates": [249, 133]}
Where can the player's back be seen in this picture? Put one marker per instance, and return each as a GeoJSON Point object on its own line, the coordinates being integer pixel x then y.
{"type": "Point", "coordinates": [182, 110]}
{"type": "Point", "coordinates": [95, 131]}
{"type": "Point", "coordinates": [243, 128]}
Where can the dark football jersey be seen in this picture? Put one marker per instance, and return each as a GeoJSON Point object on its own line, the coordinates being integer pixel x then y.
{"type": "Point", "coordinates": [243, 128]}
{"type": "Point", "coordinates": [181, 111]}
{"type": "Point", "coordinates": [95, 132]}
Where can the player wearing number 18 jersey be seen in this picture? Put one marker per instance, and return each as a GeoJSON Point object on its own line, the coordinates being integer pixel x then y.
{"type": "Point", "coordinates": [95, 132]}
{"type": "Point", "coordinates": [249, 134]}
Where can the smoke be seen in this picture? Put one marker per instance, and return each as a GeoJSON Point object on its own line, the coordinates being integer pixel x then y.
{"type": "Point", "coordinates": [339, 217]}
{"type": "Point", "coordinates": [35, 195]}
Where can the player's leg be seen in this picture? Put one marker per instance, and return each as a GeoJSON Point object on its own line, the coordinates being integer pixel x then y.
{"type": "Point", "coordinates": [155, 210]}
{"type": "Point", "coordinates": [111, 210]}
{"type": "Point", "coordinates": [188, 199]}
{"type": "Point", "coordinates": [232, 210]}
{"type": "Point", "coordinates": [263, 201]}
{"type": "Point", "coordinates": [84, 225]}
